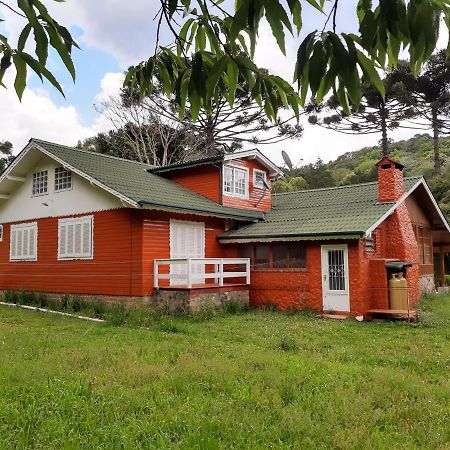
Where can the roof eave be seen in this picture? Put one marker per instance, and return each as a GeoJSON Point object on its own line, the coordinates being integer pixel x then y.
{"type": "Point", "coordinates": [206, 212]}
{"type": "Point", "coordinates": [293, 236]}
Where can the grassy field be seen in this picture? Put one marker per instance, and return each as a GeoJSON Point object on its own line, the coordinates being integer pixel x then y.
{"type": "Point", "coordinates": [254, 380]}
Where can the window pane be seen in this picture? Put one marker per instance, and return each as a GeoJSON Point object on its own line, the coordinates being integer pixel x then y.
{"type": "Point", "coordinates": [280, 256]}
{"type": "Point", "coordinates": [63, 179]}
{"type": "Point", "coordinates": [40, 180]}
{"type": "Point", "coordinates": [262, 255]}
{"type": "Point", "coordinates": [297, 253]}
{"type": "Point", "coordinates": [228, 179]}
{"type": "Point", "coordinates": [240, 182]}
{"type": "Point", "coordinates": [246, 251]}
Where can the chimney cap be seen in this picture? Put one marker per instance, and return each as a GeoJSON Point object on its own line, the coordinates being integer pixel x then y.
{"type": "Point", "coordinates": [387, 160]}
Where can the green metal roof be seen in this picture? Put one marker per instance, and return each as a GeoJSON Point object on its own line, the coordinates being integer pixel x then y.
{"type": "Point", "coordinates": [132, 180]}
{"type": "Point", "coordinates": [345, 211]}
{"type": "Point", "coordinates": [187, 164]}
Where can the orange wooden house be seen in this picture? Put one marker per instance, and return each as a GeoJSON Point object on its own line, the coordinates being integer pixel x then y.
{"type": "Point", "coordinates": [74, 221]}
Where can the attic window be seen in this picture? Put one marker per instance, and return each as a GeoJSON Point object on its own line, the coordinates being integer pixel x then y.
{"type": "Point", "coordinates": [259, 179]}
{"type": "Point", "coordinates": [40, 182]}
{"type": "Point", "coordinates": [235, 182]}
{"type": "Point", "coordinates": [63, 179]}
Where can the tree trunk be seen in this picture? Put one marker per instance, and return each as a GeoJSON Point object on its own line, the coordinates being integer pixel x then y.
{"type": "Point", "coordinates": [384, 136]}
{"type": "Point", "coordinates": [437, 155]}
{"type": "Point", "coordinates": [210, 140]}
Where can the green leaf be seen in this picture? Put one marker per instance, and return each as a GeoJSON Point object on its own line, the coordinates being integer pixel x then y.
{"type": "Point", "coordinates": [296, 10]}
{"type": "Point", "coordinates": [57, 43]}
{"type": "Point", "coordinates": [239, 21]}
{"type": "Point", "coordinates": [233, 77]}
{"type": "Point", "coordinates": [303, 54]}
{"type": "Point", "coordinates": [216, 73]}
{"type": "Point", "coordinates": [370, 72]}
{"type": "Point", "coordinates": [21, 74]}
{"type": "Point", "coordinates": [275, 15]}
{"type": "Point", "coordinates": [200, 39]}
{"type": "Point", "coordinates": [317, 66]}
{"type": "Point", "coordinates": [23, 37]}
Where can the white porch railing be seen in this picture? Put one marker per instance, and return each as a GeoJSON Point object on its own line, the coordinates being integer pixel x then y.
{"type": "Point", "coordinates": [190, 271]}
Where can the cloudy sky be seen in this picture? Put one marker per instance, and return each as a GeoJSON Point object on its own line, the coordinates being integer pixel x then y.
{"type": "Point", "coordinates": [114, 34]}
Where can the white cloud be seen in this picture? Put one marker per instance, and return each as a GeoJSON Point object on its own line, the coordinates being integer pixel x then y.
{"type": "Point", "coordinates": [110, 86]}
{"type": "Point", "coordinates": [38, 116]}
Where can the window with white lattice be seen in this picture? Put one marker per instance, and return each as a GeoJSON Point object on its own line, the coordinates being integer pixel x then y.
{"type": "Point", "coordinates": [40, 183]}
{"type": "Point", "coordinates": [23, 242]}
{"type": "Point", "coordinates": [235, 182]}
{"type": "Point", "coordinates": [75, 238]}
{"type": "Point", "coordinates": [63, 179]}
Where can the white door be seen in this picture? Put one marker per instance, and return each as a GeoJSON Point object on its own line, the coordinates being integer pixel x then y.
{"type": "Point", "coordinates": [187, 240]}
{"type": "Point", "coordinates": [335, 287]}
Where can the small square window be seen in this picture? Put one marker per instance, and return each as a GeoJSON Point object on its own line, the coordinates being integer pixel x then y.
{"type": "Point", "coordinates": [40, 182]}
{"type": "Point", "coordinates": [259, 179]}
{"type": "Point", "coordinates": [63, 179]}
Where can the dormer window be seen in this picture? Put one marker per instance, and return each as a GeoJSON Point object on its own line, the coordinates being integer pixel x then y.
{"type": "Point", "coordinates": [259, 179]}
{"type": "Point", "coordinates": [40, 183]}
{"type": "Point", "coordinates": [63, 179]}
{"type": "Point", "coordinates": [235, 181]}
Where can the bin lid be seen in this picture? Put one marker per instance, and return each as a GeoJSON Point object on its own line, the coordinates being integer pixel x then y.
{"type": "Point", "coordinates": [398, 264]}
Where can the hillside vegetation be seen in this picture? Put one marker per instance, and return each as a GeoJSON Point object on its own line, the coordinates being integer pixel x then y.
{"type": "Point", "coordinates": [416, 154]}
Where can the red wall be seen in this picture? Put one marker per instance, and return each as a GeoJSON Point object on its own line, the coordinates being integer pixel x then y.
{"type": "Point", "coordinates": [259, 199]}
{"type": "Point", "coordinates": [126, 242]}
{"type": "Point", "coordinates": [116, 256]}
{"type": "Point", "coordinates": [205, 180]}
{"type": "Point", "coordinates": [299, 289]}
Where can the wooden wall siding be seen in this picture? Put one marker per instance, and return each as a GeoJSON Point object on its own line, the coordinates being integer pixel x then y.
{"type": "Point", "coordinates": [205, 180]}
{"type": "Point", "coordinates": [156, 240]}
{"type": "Point", "coordinates": [259, 199]}
{"type": "Point", "coordinates": [114, 270]}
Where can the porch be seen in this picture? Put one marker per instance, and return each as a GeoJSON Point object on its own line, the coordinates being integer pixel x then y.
{"type": "Point", "coordinates": [201, 273]}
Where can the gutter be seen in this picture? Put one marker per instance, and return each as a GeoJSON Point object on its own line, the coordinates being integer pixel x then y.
{"type": "Point", "coordinates": [200, 210]}
{"type": "Point", "coordinates": [356, 234]}
{"type": "Point", "coordinates": [185, 165]}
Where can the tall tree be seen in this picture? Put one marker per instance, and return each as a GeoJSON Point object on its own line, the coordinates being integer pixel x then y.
{"type": "Point", "coordinates": [376, 114]}
{"type": "Point", "coordinates": [6, 156]}
{"type": "Point", "coordinates": [429, 94]}
{"type": "Point", "coordinates": [47, 33]}
{"type": "Point", "coordinates": [219, 129]}
{"type": "Point", "coordinates": [220, 41]}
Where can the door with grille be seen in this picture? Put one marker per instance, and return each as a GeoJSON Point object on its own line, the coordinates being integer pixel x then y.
{"type": "Point", "coordinates": [335, 287]}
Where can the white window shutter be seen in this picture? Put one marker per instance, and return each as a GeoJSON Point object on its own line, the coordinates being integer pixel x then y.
{"type": "Point", "coordinates": [87, 238]}
{"type": "Point", "coordinates": [13, 244]}
{"type": "Point", "coordinates": [32, 242]}
{"type": "Point", "coordinates": [19, 243]}
{"type": "Point", "coordinates": [70, 239]}
{"type": "Point", "coordinates": [62, 246]}
{"type": "Point", "coordinates": [25, 243]}
{"type": "Point", "coordinates": [77, 238]}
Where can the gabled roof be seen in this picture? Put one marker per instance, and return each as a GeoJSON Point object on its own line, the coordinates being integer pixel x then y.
{"type": "Point", "coordinates": [131, 182]}
{"type": "Point", "coordinates": [274, 170]}
{"type": "Point", "coordinates": [330, 213]}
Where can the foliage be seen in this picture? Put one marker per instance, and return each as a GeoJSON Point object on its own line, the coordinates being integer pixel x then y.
{"type": "Point", "coordinates": [416, 154]}
{"type": "Point", "coordinates": [47, 33]}
{"type": "Point", "coordinates": [220, 42]}
{"type": "Point", "coordinates": [225, 383]}
{"type": "Point", "coordinates": [6, 154]}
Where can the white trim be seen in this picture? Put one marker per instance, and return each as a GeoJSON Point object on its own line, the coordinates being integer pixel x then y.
{"type": "Point", "coordinates": [74, 220]}
{"type": "Point", "coordinates": [324, 265]}
{"type": "Point", "coordinates": [401, 200]}
{"type": "Point", "coordinates": [246, 196]}
{"type": "Point", "coordinates": [255, 172]}
{"type": "Point", "coordinates": [92, 180]}
{"type": "Point", "coordinates": [35, 250]}
{"type": "Point", "coordinates": [256, 154]}
{"type": "Point", "coordinates": [14, 178]}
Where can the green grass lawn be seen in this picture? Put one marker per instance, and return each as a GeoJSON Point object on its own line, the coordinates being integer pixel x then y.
{"type": "Point", "coordinates": [252, 380]}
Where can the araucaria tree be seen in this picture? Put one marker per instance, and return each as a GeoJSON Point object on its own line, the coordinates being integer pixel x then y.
{"type": "Point", "coordinates": [212, 47]}
{"type": "Point", "coordinates": [376, 114]}
{"type": "Point", "coordinates": [429, 95]}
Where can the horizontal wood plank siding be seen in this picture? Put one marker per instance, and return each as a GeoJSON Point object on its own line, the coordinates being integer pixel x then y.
{"type": "Point", "coordinates": [259, 199]}
{"type": "Point", "coordinates": [114, 269]}
{"type": "Point", "coordinates": [205, 180]}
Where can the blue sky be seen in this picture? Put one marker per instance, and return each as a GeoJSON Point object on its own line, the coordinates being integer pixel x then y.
{"type": "Point", "coordinates": [113, 35]}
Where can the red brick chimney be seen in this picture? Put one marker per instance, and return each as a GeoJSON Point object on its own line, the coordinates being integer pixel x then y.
{"type": "Point", "coordinates": [390, 180]}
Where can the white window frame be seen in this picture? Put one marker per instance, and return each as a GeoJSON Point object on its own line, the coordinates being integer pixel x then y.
{"type": "Point", "coordinates": [69, 177]}
{"type": "Point", "coordinates": [259, 185]}
{"type": "Point", "coordinates": [234, 194]}
{"type": "Point", "coordinates": [75, 221]}
{"type": "Point", "coordinates": [23, 226]}
{"type": "Point", "coordinates": [40, 172]}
